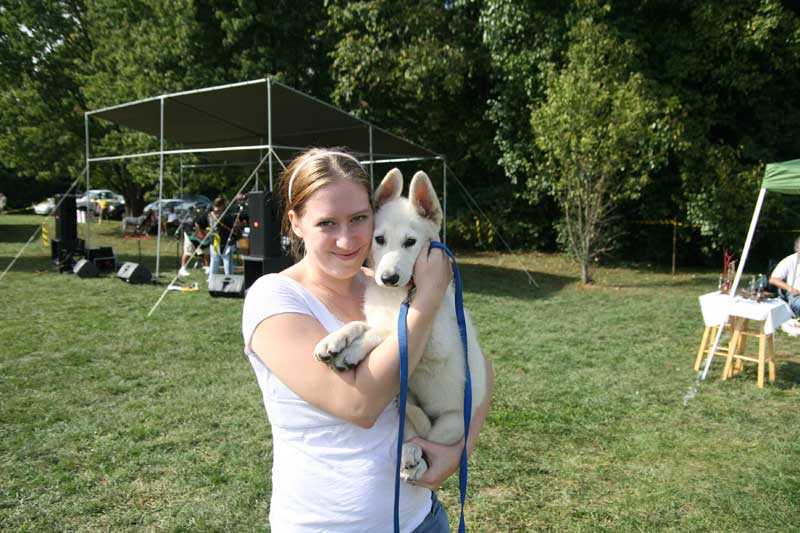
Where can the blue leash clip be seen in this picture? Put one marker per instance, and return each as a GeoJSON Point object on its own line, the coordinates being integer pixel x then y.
{"type": "Point", "coordinates": [402, 337]}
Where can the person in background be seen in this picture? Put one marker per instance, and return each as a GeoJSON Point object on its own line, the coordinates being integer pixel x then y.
{"type": "Point", "coordinates": [195, 228]}
{"type": "Point", "coordinates": [334, 434]}
{"type": "Point", "coordinates": [786, 276]}
{"type": "Point", "coordinates": [222, 244]}
{"type": "Point", "coordinates": [3, 203]}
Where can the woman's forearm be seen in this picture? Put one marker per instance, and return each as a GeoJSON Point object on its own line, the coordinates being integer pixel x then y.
{"type": "Point", "coordinates": [377, 378]}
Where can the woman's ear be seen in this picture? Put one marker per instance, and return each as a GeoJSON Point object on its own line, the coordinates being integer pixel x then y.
{"type": "Point", "coordinates": [295, 221]}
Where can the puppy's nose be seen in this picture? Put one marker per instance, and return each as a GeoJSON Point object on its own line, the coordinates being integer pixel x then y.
{"type": "Point", "coordinates": [390, 279]}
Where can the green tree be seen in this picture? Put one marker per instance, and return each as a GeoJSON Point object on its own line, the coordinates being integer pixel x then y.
{"type": "Point", "coordinates": [423, 70]}
{"type": "Point", "coordinates": [43, 50]}
{"type": "Point", "coordinates": [60, 59]}
{"type": "Point", "coordinates": [419, 69]}
{"type": "Point", "coordinates": [600, 134]}
{"type": "Point", "coordinates": [522, 38]}
{"type": "Point", "coordinates": [735, 67]}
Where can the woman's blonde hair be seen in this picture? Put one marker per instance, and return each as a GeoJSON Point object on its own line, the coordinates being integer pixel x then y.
{"type": "Point", "coordinates": [313, 170]}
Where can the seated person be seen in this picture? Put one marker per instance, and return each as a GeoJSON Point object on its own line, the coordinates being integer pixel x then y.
{"type": "Point", "coordinates": [131, 224]}
{"type": "Point", "coordinates": [144, 224]}
{"type": "Point", "coordinates": [195, 240]}
{"type": "Point", "coordinates": [171, 221]}
{"type": "Point", "coordinates": [786, 276]}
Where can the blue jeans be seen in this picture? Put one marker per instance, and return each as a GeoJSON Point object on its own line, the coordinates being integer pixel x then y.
{"type": "Point", "coordinates": [227, 261]}
{"type": "Point", "coordinates": [436, 521]}
{"type": "Point", "coordinates": [794, 305]}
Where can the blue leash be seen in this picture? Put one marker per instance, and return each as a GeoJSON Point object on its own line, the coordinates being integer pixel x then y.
{"type": "Point", "coordinates": [402, 337]}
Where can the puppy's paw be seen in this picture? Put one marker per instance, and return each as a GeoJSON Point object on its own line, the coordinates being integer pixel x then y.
{"type": "Point", "coordinates": [349, 357]}
{"type": "Point", "coordinates": [329, 347]}
{"type": "Point", "coordinates": [339, 349]}
{"type": "Point", "coordinates": [412, 464]}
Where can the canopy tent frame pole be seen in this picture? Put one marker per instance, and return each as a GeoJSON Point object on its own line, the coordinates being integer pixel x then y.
{"type": "Point", "coordinates": [88, 183]}
{"type": "Point", "coordinates": [748, 241]}
{"type": "Point", "coordinates": [371, 161]}
{"type": "Point", "coordinates": [260, 157]}
{"type": "Point", "coordinates": [269, 128]}
{"type": "Point", "coordinates": [226, 164]}
{"type": "Point", "coordinates": [251, 147]}
{"type": "Point", "coordinates": [160, 190]}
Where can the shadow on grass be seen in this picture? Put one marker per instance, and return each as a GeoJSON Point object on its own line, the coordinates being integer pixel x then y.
{"type": "Point", "coordinates": [788, 375]}
{"type": "Point", "coordinates": [498, 281]}
{"type": "Point", "coordinates": [17, 232]}
{"type": "Point", "coordinates": [703, 283]}
{"type": "Point", "coordinates": [27, 263]}
{"type": "Point", "coordinates": [169, 263]}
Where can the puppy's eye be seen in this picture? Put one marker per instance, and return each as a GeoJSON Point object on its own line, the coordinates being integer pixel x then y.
{"type": "Point", "coordinates": [380, 240]}
{"type": "Point", "coordinates": [408, 243]}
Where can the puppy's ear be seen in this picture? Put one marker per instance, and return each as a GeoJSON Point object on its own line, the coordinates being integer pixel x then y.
{"type": "Point", "coordinates": [424, 198]}
{"type": "Point", "coordinates": [390, 188]}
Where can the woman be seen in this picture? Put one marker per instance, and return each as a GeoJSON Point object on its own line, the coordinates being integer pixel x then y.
{"type": "Point", "coordinates": [335, 433]}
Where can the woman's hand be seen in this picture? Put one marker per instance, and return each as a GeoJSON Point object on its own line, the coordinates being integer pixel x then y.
{"type": "Point", "coordinates": [432, 273]}
{"type": "Point", "coordinates": [442, 461]}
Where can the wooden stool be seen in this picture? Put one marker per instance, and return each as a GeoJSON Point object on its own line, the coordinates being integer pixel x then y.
{"type": "Point", "coordinates": [709, 334]}
{"type": "Point", "coordinates": [766, 350]}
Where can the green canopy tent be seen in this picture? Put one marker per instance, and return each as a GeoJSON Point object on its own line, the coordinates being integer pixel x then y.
{"type": "Point", "coordinates": [778, 177]}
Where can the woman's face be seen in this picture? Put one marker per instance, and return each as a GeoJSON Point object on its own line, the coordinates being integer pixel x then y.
{"type": "Point", "coordinates": [336, 227]}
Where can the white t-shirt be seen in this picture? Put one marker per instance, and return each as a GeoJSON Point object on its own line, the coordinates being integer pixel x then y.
{"type": "Point", "coordinates": [327, 475]}
{"type": "Point", "coordinates": [786, 268]}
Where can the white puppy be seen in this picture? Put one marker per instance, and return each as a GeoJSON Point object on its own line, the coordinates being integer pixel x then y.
{"type": "Point", "coordinates": [435, 411]}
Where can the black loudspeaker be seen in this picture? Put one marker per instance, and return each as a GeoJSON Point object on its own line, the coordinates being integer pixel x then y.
{"type": "Point", "coordinates": [63, 253]}
{"type": "Point", "coordinates": [231, 286]}
{"type": "Point", "coordinates": [265, 230]}
{"type": "Point", "coordinates": [255, 267]}
{"type": "Point", "coordinates": [85, 269]}
{"type": "Point", "coordinates": [66, 218]}
{"type": "Point", "coordinates": [134, 273]}
{"type": "Point", "coordinates": [103, 258]}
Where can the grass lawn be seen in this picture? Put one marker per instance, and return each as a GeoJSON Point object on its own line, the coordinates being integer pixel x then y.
{"type": "Point", "coordinates": [112, 421]}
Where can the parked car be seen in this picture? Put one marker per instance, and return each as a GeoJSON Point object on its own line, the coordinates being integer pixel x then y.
{"type": "Point", "coordinates": [196, 198]}
{"type": "Point", "coordinates": [95, 195]}
{"type": "Point", "coordinates": [46, 207]}
{"type": "Point", "coordinates": [113, 204]}
{"type": "Point", "coordinates": [166, 203]}
{"type": "Point", "coordinates": [173, 210]}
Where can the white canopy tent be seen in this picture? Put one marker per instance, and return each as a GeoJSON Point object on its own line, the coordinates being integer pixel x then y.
{"type": "Point", "coordinates": [250, 121]}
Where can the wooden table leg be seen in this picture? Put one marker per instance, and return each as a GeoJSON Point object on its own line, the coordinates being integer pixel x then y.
{"type": "Point", "coordinates": [732, 344]}
{"type": "Point", "coordinates": [740, 350]}
{"type": "Point", "coordinates": [762, 351]}
{"type": "Point", "coordinates": [771, 354]}
{"type": "Point", "coordinates": [702, 349]}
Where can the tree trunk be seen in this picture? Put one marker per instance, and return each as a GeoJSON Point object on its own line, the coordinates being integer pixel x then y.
{"type": "Point", "coordinates": [585, 277]}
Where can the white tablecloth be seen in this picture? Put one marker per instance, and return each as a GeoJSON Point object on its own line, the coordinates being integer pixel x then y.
{"type": "Point", "coordinates": [716, 307]}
